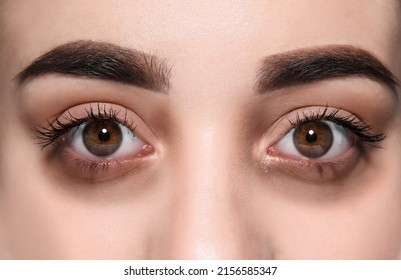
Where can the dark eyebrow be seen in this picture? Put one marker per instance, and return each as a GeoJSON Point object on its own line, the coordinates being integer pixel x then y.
{"type": "Point", "coordinates": [319, 63]}
{"type": "Point", "coordinates": [104, 61]}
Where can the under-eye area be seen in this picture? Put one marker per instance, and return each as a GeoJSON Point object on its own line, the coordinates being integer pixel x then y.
{"type": "Point", "coordinates": [321, 143]}
{"type": "Point", "coordinates": [95, 140]}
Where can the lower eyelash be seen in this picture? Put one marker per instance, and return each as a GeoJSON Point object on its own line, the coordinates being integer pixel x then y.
{"type": "Point", "coordinates": [97, 170]}
{"type": "Point", "coordinates": [349, 122]}
{"type": "Point", "coordinates": [89, 166]}
{"type": "Point", "coordinates": [306, 168]}
{"type": "Point", "coordinates": [337, 169]}
{"type": "Point", "coordinates": [63, 124]}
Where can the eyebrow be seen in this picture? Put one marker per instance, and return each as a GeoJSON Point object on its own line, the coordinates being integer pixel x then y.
{"type": "Point", "coordinates": [309, 65]}
{"type": "Point", "coordinates": [104, 61]}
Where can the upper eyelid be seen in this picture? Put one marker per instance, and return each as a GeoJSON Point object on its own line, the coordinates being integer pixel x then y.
{"type": "Point", "coordinates": [339, 116]}
{"type": "Point", "coordinates": [66, 121]}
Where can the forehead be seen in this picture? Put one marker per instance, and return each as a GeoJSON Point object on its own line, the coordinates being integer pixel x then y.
{"type": "Point", "coordinates": [230, 30]}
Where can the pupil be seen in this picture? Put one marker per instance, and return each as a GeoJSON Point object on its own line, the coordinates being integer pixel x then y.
{"type": "Point", "coordinates": [104, 135]}
{"type": "Point", "coordinates": [311, 136]}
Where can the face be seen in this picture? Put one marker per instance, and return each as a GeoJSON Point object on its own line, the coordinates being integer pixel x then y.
{"type": "Point", "coordinates": [204, 130]}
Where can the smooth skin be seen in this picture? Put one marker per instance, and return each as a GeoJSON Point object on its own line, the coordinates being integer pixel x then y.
{"type": "Point", "coordinates": [207, 191]}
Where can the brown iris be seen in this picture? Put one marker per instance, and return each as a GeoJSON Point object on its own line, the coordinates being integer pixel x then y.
{"type": "Point", "coordinates": [102, 138]}
{"type": "Point", "coordinates": [313, 139]}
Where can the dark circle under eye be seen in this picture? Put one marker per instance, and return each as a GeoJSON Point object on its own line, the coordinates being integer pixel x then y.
{"type": "Point", "coordinates": [313, 139]}
{"type": "Point", "coordinates": [102, 138]}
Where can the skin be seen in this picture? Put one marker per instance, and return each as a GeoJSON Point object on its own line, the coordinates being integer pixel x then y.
{"type": "Point", "coordinates": [207, 191]}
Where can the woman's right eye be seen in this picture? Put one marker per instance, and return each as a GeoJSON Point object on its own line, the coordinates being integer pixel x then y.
{"type": "Point", "coordinates": [103, 139]}
{"type": "Point", "coordinates": [97, 141]}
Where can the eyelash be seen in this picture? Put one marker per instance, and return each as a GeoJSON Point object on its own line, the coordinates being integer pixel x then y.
{"type": "Point", "coordinates": [337, 168]}
{"type": "Point", "coordinates": [349, 122]}
{"type": "Point", "coordinates": [66, 122]}
{"type": "Point", "coordinates": [63, 124]}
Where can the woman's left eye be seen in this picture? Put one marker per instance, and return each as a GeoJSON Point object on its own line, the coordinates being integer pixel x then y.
{"type": "Point", "coordinates": [316, 140]}
{"type": "Point", "coordinates": [103, 139]}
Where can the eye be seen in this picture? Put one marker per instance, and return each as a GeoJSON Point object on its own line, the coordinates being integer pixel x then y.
{"type": "Point", "coordinates": [322, 144]}
{"type": "Point", "coordinates": [97, 142]}
{"type": "Point", "coordinates": [315, 140]}
{"type": "Point", "coordinates": [103, 139]}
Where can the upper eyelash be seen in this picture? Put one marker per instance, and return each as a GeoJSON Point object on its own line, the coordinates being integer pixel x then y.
{"type": "Point", "coordinates": [349, 122]}
{"type": "Point", "coordinates": [63, 124]}
{"type": "Point", "coordinates": [47, 135]}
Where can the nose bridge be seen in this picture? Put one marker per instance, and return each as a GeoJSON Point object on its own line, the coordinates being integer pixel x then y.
{"type": "Point", "coordinates": [205, 224]}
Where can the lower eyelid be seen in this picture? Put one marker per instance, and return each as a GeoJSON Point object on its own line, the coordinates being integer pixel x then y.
{"type": "Point", "coordinates": [311, 170]}
{"type": "Point", "coordinates": [76, 166]}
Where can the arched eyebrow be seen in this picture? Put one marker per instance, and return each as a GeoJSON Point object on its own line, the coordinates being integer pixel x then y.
{"type": "Point", "coordinates": [309, 65]}
{"type": "Point", "coordinates": [104, 61]}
